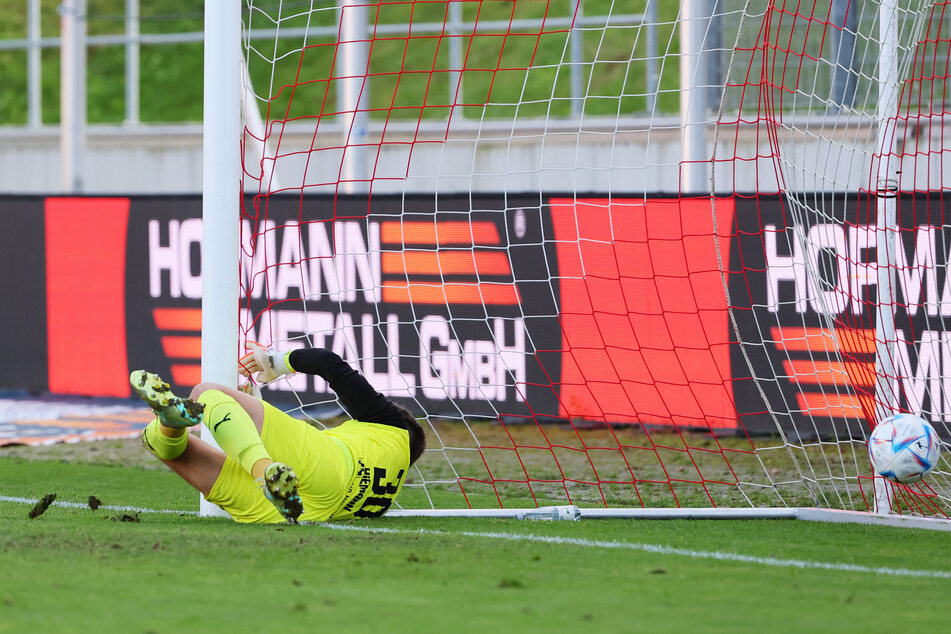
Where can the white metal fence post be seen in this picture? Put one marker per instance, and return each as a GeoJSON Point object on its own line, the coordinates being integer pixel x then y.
{"type": "Point", "coordinates": [577, 53]}
{"type": "Point", "coordinates": [454, 27]}
{"type": "Point", "coordinates": [132, 62]}
{"type": "Point", "coordinates": [352, 94]}
{"type": "Point", "coordinates": [694, 20]}
{"type": "Point", "coordinates": [33, 63]}
{"type": "Point", "coordinates": [652, 74]}
{"type": "Point", "coordinates": [73, 93]}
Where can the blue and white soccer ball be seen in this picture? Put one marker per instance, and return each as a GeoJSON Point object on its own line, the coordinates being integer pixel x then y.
{"type": "Point", "coordinates": [904, 448]}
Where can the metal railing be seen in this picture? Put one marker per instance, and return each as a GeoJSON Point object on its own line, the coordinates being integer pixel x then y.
{"type": "Point", "coordinates": [832, 65]}
{"type": "Point", "coordinates": [132, 39]}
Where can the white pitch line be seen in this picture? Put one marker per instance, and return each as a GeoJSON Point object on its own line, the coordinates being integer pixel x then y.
{"type": "Point", "coordinates": [109, 507]}
{"type": "Point", "coordinates": [570, 541]}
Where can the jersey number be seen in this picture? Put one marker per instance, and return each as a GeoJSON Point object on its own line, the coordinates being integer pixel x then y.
{"type": "Point", "coordinates": [378, 505]}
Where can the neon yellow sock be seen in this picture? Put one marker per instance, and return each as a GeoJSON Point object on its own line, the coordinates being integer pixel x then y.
{"type": "Point", "coordinates": [162, 446]}
{"type": "Point", "coordinates": [233, 429]}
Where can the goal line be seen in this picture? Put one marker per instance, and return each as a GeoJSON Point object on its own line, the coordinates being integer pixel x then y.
{"type": "Point", "coordinates": [571, 512]}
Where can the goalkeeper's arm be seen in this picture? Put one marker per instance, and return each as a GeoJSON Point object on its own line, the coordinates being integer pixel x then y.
{"type": "Point", "coordinates": [357, 396]}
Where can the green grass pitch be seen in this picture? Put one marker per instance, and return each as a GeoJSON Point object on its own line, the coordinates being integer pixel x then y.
{"type": "Point", "coordinates": [74, 569]}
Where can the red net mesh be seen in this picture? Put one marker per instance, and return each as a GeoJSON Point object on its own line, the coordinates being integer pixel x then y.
{"type": "Point", "coordinates": [451, 195]}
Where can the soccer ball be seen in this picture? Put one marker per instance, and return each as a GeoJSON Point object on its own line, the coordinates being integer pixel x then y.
{"type": "Point", "coordinates": [903, 448]}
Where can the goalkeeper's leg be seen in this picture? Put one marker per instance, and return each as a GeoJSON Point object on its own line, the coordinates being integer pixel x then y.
{"type": "Point", "coordinates": [222, 481]}
{"type": "Point", "coordinates": [236, 420]}
{"type": "Point", "coordinates": [198, 463]}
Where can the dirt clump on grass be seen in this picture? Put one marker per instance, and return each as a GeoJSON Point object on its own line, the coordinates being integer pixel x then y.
{"type": "Point", "coordinates": [42, 505]}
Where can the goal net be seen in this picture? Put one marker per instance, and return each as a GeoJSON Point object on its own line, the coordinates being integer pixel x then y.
{"type": "Point", "coordinates": [612, 254]}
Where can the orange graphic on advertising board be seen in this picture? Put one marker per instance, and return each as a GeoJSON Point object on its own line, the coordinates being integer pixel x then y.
{"type": "Point", "coordinates": [180, 348]}
{"type": "Point", "coordinates": [480, 275]}
{"type": "Point", "coordinates": [821, 366]}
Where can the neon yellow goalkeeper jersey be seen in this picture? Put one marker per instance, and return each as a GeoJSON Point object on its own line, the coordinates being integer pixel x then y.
{"type": "Point", "coordinates": [380, 455]}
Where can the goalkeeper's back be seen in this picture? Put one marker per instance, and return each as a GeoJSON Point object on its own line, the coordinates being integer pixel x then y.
{"type": "Point", "coordinates": [380, 442]}
{"type": "Point", "coordinates": [361, 401]}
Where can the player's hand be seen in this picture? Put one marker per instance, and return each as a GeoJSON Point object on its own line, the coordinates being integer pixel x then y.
{"type": "Point", "coordinates": [267, 364]}
{"type": "Point", "coordinates": [251, 388]}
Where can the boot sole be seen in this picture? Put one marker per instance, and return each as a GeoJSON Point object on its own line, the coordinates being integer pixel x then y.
{"type": "Point", "coordinates": [172, 410]}
{"type": "Point", "coordinates": [281, 489]}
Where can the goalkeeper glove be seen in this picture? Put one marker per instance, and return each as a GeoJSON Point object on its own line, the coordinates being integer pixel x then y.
{"type": "Point", "coordinates": [251, 388]}
{"type": "Point", "coordinates": [269, 364]}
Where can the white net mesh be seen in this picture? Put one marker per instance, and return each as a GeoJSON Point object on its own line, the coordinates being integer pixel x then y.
{"type": "Point", "coordinates": [481, 206]}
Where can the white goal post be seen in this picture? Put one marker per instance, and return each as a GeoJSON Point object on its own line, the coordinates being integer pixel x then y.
{"type": "Point", "coordinates": [610, 280]}
{"type": "Point", "coordinates": [221, 193]}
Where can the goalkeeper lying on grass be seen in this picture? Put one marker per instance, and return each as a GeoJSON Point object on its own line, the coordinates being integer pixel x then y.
{"type": "Point", "coordinates": [354, 470]}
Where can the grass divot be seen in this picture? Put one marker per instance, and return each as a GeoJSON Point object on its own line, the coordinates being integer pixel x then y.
{"type": "Point", "coordinates": [42, 505]}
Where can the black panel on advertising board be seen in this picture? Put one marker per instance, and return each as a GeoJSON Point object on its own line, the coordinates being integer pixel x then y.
{"type": "Point", "coordinates": [747, 292]}
{"type": "Point", "coordinates": [23, 289]}
{"type": "Point", "coordinates": [379, 302]}
{"type": "Point", "coordinates": [160, 254]}
{"type": "Point", "coordinates": [420, 297]}
{"type": "Point", "coordinates": [790, 296]}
